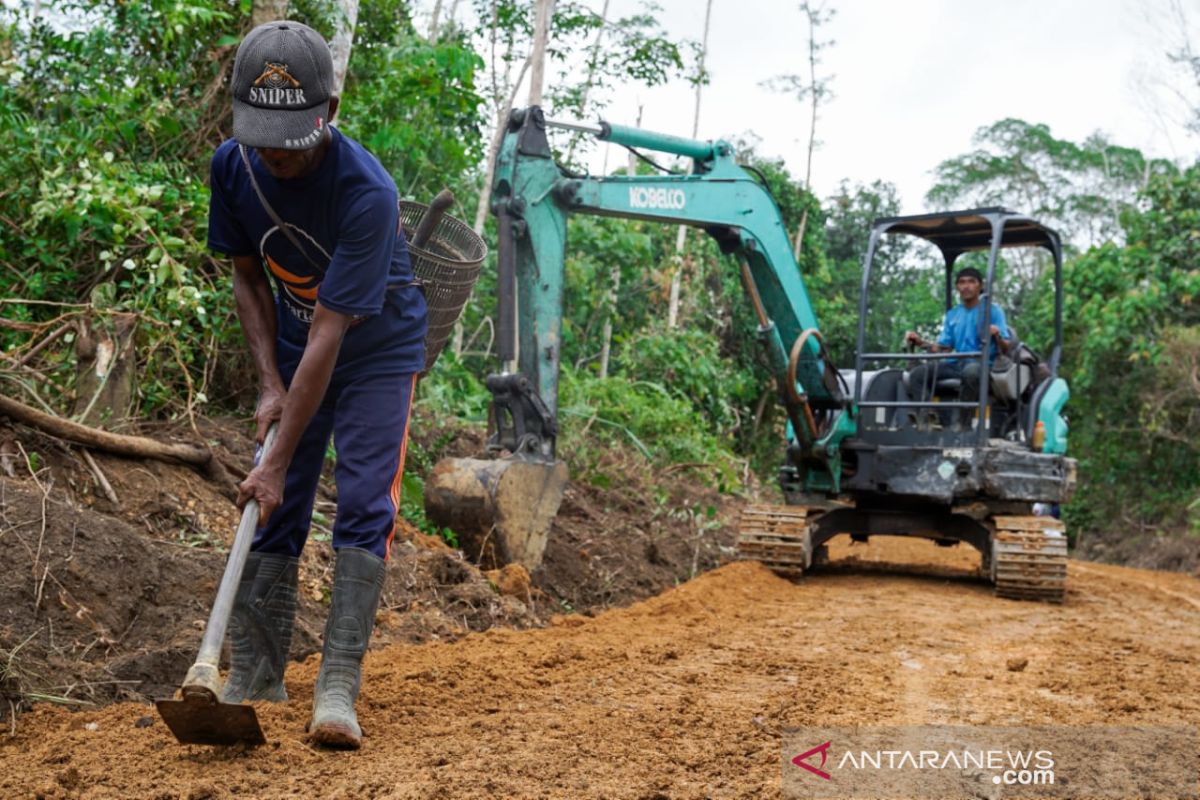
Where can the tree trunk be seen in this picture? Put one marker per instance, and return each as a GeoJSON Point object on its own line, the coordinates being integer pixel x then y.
{"type": "Point", "coordinates": [537, 53]}
{"type": "Point", "coordinates": [614, 287]}
{"type": "Point", "coordinates": [196, 456]}
{"type": "Point", "coordinates": [676, 278]}
{"type": "Point", "coordinates": [434, 20]}
{"type": "Point", "coordinates": [343, 40]}
{"type": "Point", "coordinates": [105, 374]}
{"type": "Point", "coordinates": [485, 190]}
{"type": "Point", "coordinates": [268, 11]}
{"type": "Point", "coordinates": [681, 236]}
{"type": "Point", "coordinates": [593, 59]}
{"type": "Point", "coordinates": [796, 245]}
{"type": "Point", "coordinates": [813, 21]}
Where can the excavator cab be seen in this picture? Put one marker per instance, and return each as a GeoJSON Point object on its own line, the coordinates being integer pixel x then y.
{"type": "Point", "coordinates": [937, 465]}
{"type": "Point", "coordinates": [901, 394]}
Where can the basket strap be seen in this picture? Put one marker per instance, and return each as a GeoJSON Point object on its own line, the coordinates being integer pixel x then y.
{"type": "Point", "coordinates": [283, 226]}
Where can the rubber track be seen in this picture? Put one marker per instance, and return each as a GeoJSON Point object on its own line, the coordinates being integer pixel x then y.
{"type": "Point", "coordinates": [1029, 556]}
{"type": "Point", "coordinates": [775, 535]}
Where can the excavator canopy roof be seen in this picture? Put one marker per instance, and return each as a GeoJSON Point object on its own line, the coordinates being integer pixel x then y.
{"type": "Point", "coordinates": [958, 232]}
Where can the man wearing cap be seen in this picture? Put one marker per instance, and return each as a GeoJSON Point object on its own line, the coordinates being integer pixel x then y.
{"type": "Point", "coordinates": [961, 328]}
{"type": "Point", "coordinates": [336, 349]}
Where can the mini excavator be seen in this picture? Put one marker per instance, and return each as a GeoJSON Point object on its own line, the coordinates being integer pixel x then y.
{"type": "Point", "coordinates": [855, 460]}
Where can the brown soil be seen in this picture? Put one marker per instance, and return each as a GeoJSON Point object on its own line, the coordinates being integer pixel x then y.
{"type": "Point", "coordinates": [683, 695]}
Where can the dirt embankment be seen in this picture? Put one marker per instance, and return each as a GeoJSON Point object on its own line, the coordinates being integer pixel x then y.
{"type": "Point", "coordinates": [102, 602]}
{"type": "Point", "coordinates": [683, 695]}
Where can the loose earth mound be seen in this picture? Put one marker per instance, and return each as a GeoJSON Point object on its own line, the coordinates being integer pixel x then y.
{"type": "Point", "coordinates": [683, 695]}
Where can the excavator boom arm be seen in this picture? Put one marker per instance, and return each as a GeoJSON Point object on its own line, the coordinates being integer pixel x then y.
{"type": "Point", "coordinates": [532, 198]}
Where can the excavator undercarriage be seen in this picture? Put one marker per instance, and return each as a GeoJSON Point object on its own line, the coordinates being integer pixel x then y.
{"type": "Point", "coordinates": [1025, 557]}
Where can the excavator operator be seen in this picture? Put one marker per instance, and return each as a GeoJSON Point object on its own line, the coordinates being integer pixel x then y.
{"type": "Point", "coordinates": [961, 329]}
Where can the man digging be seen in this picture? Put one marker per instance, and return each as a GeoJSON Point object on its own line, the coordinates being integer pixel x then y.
{"type": "Point", "coordinates": [336, 349]}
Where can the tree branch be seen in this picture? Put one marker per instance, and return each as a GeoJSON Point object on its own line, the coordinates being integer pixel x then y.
{"type": "Point", "coordinates": [196, 456]}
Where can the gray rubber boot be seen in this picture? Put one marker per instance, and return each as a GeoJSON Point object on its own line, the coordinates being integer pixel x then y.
{"type": "Point", "coordinates": [260, 629]}
{"type": "Point", "coordinates": [357, 583]}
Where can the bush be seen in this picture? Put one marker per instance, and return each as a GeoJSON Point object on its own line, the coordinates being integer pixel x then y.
{"type": "Point", "coordinates": [598, 413]}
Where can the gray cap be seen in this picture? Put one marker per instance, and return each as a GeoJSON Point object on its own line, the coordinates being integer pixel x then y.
{"type": "Point", "coordinates": [282, 81]}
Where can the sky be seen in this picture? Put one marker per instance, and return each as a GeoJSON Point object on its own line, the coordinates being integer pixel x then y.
{"type": "Point", "coordinates": [913, 81]}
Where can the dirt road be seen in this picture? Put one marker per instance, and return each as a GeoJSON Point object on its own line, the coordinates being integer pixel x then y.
{"type": "Point", "coordinates": [683, 695]}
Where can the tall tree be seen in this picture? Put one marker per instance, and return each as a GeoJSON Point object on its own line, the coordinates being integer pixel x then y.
{"type": "Point", "coordinates": [537, 52]}
{"type": "Point", "coordinates": [345, 18]}
{"type": "Point", "coordinates": [633, 50]}
{"type": "Point", "coordinates": [1131, 319]}
{"type": "Point", "coordinates": [905, 291]}
{"type": "Point", "coordinates": [814, 88]}
{"type": "Point", "coordinates": [681, 235]}
{"type": "Point", "coordinates": [589, 83]}
{"type": "Point", "coordinates": [1082, 188]}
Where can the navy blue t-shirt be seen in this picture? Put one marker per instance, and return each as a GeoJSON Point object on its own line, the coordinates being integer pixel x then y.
{"type": "Point", "coordinates": [346, 216]}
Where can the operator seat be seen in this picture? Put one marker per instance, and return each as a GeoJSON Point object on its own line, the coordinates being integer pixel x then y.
{"type": "Point", "coordinates": [943, 385]}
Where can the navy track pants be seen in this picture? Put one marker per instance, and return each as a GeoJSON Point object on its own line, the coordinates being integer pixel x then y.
{"type": "Point", "coordinates": [368, 418]}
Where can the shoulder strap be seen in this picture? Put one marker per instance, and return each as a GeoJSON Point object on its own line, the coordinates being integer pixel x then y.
{"type": "Point", "coordinates": [283, 227]}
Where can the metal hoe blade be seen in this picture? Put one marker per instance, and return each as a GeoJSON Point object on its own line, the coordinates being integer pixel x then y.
{"type": "Point", "coordinates": [199, 718]}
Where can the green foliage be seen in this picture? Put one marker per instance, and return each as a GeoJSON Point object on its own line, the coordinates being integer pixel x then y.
{"type": "Point", "coordinates": [108, 106]}
{"type": "Point", "coordinates": [414, 103]}
{"type": "Point", "coordinates": [639, 414]}
{"type": "Point", "coordinates": [686, 363]}
{"type": "Point", "coordinates": [454, 389]}
{"type": "Point", "coordinates": [412, 505]}
{"type": "Point", "coordinates": [637, 50]}
{"type": "Point", "coordinates": [113, 108]}
{"type": "Point", "coordinates": [906, 291]}
{"type": "Point", "coordinates": [1130, 308]}
{"type": "Point", "coordinates": [597, 246]}
{"type": "Point", "coordinates": [1130, 313]}
{"type": "Point", "coordinates": [1082, 189]}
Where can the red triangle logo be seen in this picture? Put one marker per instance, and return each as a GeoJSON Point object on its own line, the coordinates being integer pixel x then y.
{"type": "Point", "coordinates": [823, 749]}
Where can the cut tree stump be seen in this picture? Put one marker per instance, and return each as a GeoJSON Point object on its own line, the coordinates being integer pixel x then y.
{"type": "Point", "coordinates": [106, 372]}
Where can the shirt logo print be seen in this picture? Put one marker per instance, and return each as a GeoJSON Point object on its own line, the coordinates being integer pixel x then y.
{"type": "Point", "coordinates": [298, 291]}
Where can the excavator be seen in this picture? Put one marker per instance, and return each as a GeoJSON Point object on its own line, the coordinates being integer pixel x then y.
{"type": "Point", "coordinates": [860, 457]}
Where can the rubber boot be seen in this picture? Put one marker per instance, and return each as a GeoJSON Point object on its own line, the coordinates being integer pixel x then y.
{"type": "Point", "coordinates": [357, 583]}
{"type": "Point", "coordinates": [260, 629]}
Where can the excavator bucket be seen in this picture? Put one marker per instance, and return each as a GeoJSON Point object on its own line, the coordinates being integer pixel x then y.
{"type": "Point", "coordinates": [501, 509]}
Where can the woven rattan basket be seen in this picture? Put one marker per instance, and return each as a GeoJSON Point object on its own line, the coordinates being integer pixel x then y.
{"type": "Point", "coordinates": [447, 268]}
